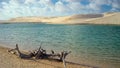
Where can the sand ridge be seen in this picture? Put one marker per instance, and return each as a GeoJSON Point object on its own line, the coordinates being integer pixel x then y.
{"type": "Point", "coordinates": [103, 18]}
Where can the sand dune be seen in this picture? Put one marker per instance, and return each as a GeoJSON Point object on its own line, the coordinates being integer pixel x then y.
{"type": "Point", "coordinates": [57, 20]}
{"type": "Point", "coordinates": [105, 18]}
{"type": "Point", "coordinates": [113, 18]}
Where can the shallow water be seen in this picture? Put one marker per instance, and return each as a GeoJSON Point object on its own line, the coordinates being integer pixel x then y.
{"type": "Point", "coordinates": [95, 45]}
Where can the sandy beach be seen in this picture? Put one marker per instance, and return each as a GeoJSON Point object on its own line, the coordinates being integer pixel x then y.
{"type": "Point", "coordinates": [8, 60]}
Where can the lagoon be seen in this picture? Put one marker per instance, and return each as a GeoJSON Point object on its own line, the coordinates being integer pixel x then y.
{"type": "Point", "coordinates": [97, 45]}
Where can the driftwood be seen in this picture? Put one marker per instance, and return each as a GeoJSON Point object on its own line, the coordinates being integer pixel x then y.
{"type": "Point", "coordinates": [12, 51]}
{"type": "Point", "coordinates": [20, 54]}
{"type": "Point", "coordinates": [41, 54]}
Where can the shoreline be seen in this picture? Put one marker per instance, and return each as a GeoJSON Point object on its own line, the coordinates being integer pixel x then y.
{"type": "Point", "coordinates": [58, 23]}
{"type": "Point", "coordinates": [9, 60]}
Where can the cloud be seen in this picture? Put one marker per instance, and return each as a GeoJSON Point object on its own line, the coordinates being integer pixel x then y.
{"type": "Point", "coordinates": [16, 8]}
{"type": "Point", "coordinates": [97, 4]}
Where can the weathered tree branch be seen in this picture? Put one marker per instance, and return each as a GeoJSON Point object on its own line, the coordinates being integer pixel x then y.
{"type": "Point", "coordinates": [42, 54]}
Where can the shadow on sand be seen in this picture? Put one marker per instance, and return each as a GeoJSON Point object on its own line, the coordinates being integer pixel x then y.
{"type": "Point", "coordinates": [68, 63]}
{"type": "Point", "coordinates": [85, 65]}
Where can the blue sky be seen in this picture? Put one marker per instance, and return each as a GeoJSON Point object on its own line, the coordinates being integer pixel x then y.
{"type": "Point", "coordinates": [18, 8]}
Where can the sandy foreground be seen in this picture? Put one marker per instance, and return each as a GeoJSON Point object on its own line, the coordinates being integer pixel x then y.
{"type": "Point", "coordinates": [8, 60]}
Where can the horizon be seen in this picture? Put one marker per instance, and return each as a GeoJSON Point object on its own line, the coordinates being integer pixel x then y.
{"type": "Point", "coordinates": [54, 8]}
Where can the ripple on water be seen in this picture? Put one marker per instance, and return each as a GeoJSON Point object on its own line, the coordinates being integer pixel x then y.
{"type": "Point", "coordinates": [91, 44]}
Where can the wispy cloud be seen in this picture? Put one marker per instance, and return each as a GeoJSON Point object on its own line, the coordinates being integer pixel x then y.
{"type": "Point", "coordinates": [17, 8]}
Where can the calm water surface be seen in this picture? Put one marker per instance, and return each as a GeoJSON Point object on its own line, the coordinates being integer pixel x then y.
{"type": "Point", "coordinates": [95, 45]}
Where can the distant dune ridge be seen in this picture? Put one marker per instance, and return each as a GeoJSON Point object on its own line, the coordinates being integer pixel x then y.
{"type": "Point", "coordinates": [105, 18]}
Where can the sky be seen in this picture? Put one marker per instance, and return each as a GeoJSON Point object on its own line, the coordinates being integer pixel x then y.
{"type": "Point", "coordinates": [19, 8]}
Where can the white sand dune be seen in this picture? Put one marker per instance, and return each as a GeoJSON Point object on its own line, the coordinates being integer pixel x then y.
{"type": "Point", "coordinates": [109, 18]}
{"type": "Point", "coordinates": [105, 18]}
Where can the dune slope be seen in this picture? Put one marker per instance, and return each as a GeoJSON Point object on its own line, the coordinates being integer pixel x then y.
{"type": "Point", "coordinates": [105, 18]}
{"type": "Point", "coordinates": [113, 18]}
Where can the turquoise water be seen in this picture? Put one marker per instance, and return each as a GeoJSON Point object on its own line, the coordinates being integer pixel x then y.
{"type": "Point", "coordinates": [95, 45]}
